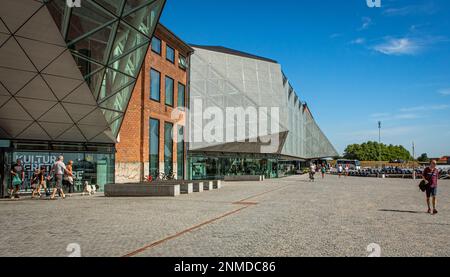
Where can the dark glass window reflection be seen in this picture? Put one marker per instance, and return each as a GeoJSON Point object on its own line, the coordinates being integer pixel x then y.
{"type": "Point", "coordinates": [169, 91]}
{"type": "Point", "coordinates": [168, 148]}
{"type": "Point", "coordinates": [154, 147]}
{"type": "Point", "coordinates": [170, 54]}
{"type": "Point", "coordinates": [156, 45]}
{"type": "Point", "coordinates": [155, 85]}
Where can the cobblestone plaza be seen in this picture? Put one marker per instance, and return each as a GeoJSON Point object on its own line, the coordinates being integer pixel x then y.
{"type": "Point", "coordinates": [285, 217]}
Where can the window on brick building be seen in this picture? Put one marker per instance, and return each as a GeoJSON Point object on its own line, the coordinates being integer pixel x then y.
{"type": "Point", "coordinates": [168, 148]}
{"type": "Point", "coordinates": [182, 62]}
{"type": "Point", "coordinates": [170, 54]}
{"type": "Point", "coordinates": [155, 85]}
{"type": "Point", "coordinates": [181, 95]}
{"type": "Point", "coordinates": [154, 147]}
{"type": "Point", "coordinates": [169, 91]}
{"type": "Point", "coordinates": [156, 45]}
{"type": "Point", "coordinates": [180, 153]}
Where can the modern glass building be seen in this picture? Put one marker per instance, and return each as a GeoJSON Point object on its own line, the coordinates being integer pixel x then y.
{"type": "Point", "coordinates": [272, 134]}
{"type": "Point", "coordinates": [66, 76]}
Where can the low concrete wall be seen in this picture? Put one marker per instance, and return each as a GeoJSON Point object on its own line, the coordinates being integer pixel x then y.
{"type": "Point", "coordinates": [187, 188]}
{"type": "Point", "coordinates": [208, 185]}
{"type": "Point", "coordinates": [244, 178]}
{"type": "Point", "coordinates": [141, 190]}
{"type": "Point", "coordinates": [198, 186]}
{"type": "Point", "coordinates": [217, 184]}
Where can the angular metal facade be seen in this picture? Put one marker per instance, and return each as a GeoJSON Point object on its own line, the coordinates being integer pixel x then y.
{"type": "Point", "coordinates": [224, 78]}
{"type": "Point", "coordinates": [67, 73]}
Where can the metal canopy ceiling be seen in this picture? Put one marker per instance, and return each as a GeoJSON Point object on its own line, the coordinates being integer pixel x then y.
{"type": "Point", "coordinates": [67, 74]}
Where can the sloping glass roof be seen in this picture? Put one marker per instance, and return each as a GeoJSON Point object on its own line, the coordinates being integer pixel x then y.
{"type": "Point", "coordinates": [67, 74]}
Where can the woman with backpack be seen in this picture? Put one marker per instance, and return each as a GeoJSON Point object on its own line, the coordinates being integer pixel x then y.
{"type": "Point", "coordinates": [431, 176]}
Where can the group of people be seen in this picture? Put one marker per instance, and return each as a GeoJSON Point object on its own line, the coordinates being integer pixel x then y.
{"type": "Point", "coordinates": [313, 169]}
{"type": "Point", "coordinates": [59, 173]}
{"type": "Point", "coordinates": [343, 171]}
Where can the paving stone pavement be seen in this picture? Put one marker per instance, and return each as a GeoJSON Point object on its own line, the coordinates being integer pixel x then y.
{"type": "Point", "coordinates": [283, 217]}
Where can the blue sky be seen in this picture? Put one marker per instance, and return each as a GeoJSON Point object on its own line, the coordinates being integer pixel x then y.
{"type": "Point", "coordinates": [352, 64]}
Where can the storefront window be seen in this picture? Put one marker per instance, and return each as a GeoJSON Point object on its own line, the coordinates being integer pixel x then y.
{"type": "Point", "coordinates": [96, 169]}
{"type": "Point", "coordinates": [211, 168]}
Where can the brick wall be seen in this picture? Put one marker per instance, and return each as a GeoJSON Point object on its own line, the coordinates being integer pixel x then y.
{"type": "Point", "coordinates": [133, 147]}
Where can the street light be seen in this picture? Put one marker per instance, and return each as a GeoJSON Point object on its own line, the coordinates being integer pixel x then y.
{"type": "Point", "coordinates": [379, 143]}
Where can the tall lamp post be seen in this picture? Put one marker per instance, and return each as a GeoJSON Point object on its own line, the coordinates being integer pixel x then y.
{"type": "Point", "coordinates": [414, 160]}
{"type": "Point", "coordinates": [379, 143]}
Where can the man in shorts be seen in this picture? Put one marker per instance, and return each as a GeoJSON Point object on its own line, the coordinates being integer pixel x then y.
{"type": "Point", "coordinates": [58, 171]}
{"type": "Point", "coordinates": [431, 176]}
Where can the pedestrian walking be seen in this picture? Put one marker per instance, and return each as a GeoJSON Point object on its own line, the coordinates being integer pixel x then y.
{"type": "Point", "coordinates": [340, 170]}
{"type": "Point", "coordinates": [34, 182]}
{"type": "Point", "coordinates": [42, 183]}
{"type": "Point", "coordinates": [312, 172]}
{"type": "Point", "coordinates": [323, 170]}
{"type": "Point", "coordinates": [347, 170]}
{"type": "Point", "coordinates": [68, 178]}
{"type": "Point", "coordinates": [431, 176]}
{"type": "Point", "coordinates": [59, 170]}
{"type": "Point", "coordinates": [17, 178]}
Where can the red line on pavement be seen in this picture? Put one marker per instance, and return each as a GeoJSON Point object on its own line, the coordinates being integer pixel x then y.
{"type": "Point", "coordinates": [134, 253]}
{"type": "Point", "coordinates": [263, 193]}
{"type": "Point", "coordinates": [244, 202]}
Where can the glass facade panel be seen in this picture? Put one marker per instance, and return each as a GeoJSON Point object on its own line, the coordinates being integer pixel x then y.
{"type": "Point", "coordinates": [155, 85]}
{"type": "Point", "coordinates": [114, 6]}
{"type": "Point", "coordinates": [108, 39]}
{"type": "Point", "coordinates": [114, 82]}
{"type": "Point", "coordinates": [180, 153]}
{"type": "Point", "coordinates": [119, 101]}
{"type": "Point", "coordinates": [95, 168]}
{"type": "Point", "coordinates": [94, 46]}
{"type": "Point", "coordinates": [154, 147]}
{"type": "Point", "coordinates": [145, 18]}
{"type": "Point", "coordinates": [87, 18]}
{"type": "Point", "coordinates": [181, 95]}
{"type": "Point", "coordinates": [170, 54]}
{"type": "Point", "coordinates": [208, 167]}
{"type": "Point", "coordinates": [131, 64]}
{"type": "Point", "coordinates": [169, 91]}
{"type": "Point", "coordinates": [127, 39]}
{"type": "Point", "coordinates": [156, 45]}
{"type": "Point", "coordinates": [115, 126]}
{"type": "Point", "coordinates": [168, 148]}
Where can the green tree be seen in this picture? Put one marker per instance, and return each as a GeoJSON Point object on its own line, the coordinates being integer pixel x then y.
{"type": "Point", "coordinates": [423, 158]}
{"type": "Point", "coordinates": [374, 151]}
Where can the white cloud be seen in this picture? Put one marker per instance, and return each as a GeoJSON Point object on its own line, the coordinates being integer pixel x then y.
{"type": "Point", "coordinates": [335, 35]}
{"type": "Point", "coordinates": [366, 23]}
{"type": "Point", "coordinates": [425, 108]}
{"type": "Point", "coordinates": [408, 45]}
{"type": "Point", "coordinates": [444, 92]}
{"type": "Point", "coordinates": [398, 46]}
{"type": "Point", "coordinates": [427, 9]}
{"type": "Point", "coordinates": [358, 41]}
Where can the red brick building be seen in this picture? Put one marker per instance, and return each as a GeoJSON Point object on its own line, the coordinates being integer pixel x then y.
{"type": "Point", "coordinates": [151, 140]}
